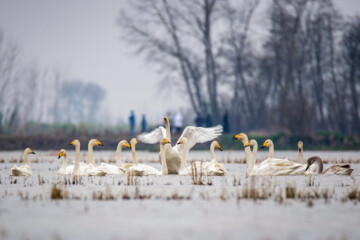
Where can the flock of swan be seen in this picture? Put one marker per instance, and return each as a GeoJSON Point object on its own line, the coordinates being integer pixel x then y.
{"type": "Point", "coordinates": [173, 159]}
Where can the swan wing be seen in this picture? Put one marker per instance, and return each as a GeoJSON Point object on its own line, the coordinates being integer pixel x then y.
{"type": "Point", "coordinates": [198, 135]}
{"type": "Point", "coordinates": [153, 137]}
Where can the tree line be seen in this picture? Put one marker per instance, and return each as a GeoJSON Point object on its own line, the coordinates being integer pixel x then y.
{"type": "Point", "coordinates": [303, 78]}
{"type": "Point", "coordinates": [32, 93]}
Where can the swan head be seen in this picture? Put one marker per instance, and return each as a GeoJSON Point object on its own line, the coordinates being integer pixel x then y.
{"type": "Point", "coordinates": [95, 142]}
{"type": "Point", "coordinates": [164, 141]}
{"type": "Point", "coordinates": [75, 142]}
{"type": "Point", "coordinates": [134, 141]}
{"type": "Point", "coordinates": [182, 140]}
{"type": "Point", "coordinates": [242, 137]}
{"type": "Point", "coordinates": [124, 143]}
{"type": "Point", "coordinates": [300, 146]}
{"type": "Point", "coordinates": [216, 144]}
{"type": "Point", "coordinates": [62, 153]}
{"type": "Point", "coordinates": [267, 143]}
{"type": "Point", "coordinates": [312, 160]}
{"type": "Point", "coordinates": [251, 143]}
{"type": "Point", "coordinates": [166, 120]}
{"type": "Point", "coordinates": [29, 151]}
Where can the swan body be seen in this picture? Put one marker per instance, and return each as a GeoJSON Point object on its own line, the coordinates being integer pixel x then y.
{"type": "Point", "coordinates": [143, 169]}
{"type": "Point", "coordinates": [212, 168]}
{"type": "Point", "coordinates": [173, 154]}
{"type": "Point", "coordinates": [119, 168]}
{"type": "Point", "coordinates": [335, 169]}
{"type": "Point", "coordinates": [84, 169]}
{"type": "Point", "coordinates": [270, 166]}
{"type": "Point", "coordinates": [25, 169]}
{"type": "Point", "coordinates": [65, 169]}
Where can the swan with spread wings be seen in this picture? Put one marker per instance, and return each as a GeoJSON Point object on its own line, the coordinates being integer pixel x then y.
{"type": "Point", "coordinates": [174, 153]}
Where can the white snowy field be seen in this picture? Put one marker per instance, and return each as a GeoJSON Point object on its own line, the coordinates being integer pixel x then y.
{"type": "Point", "coordinates": [172, 207]}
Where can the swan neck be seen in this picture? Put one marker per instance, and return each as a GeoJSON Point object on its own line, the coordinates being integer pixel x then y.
{"type": "Point", "coordinates": [65, 162]}
{"type": "Point", "coordinates": [26, 158]}
{"type": "Point", "coordinates": [212, 151]}
{"type": "Point", "coordinates": [320, 165]}
{"type": "Point", "coordinates": [164, 169]}
{"type": "Point", "coordinates": [118, 155]}
{"type": "Point", "coordinates": [77, 158]}
{"type": "Point", "coordinates": [168, 133]}
{"type": "Point", "coordinates": [271, 151]}
{"type": "Point", "coordinates": [301, 156]}
{"type": "Point", "coordinates": [133, 154]}
{"type": "Point", "coordinates": [91, 154]}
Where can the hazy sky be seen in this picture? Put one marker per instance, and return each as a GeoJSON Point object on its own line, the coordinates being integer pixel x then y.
{"type": "Point", "coordinates": [81, 38]}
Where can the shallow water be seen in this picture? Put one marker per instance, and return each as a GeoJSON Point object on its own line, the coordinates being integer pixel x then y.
{"type": "Point", "coordinates": [172, 207]}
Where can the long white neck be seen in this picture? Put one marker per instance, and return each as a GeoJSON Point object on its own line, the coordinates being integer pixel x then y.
{"type": "Point", "coordinates": [164, 169]}
{"type": "Point", "coordinates": [301, 156]}
{"type": "Point", "coordinates": [65, 162]}
{"type": "Point", "coordinates": [168, 133]}
{"type": "Point", "coordinates": [212, 150]}
{"type": "Point", "coordinates": [251, 164]}
{"type": "Point", "coordinates": [185, 154]}
{"type": "Point", "coordinates": [133, 154]}
{"type": "Point", "coordinates": [118, 155]}
{"type": "Point", "coordinates": [248, 155]}
{"type": "Point", "coordinates": [26, 158]}
{"type": "Point", "coordinates": [271, 151]}
{"type": "Point", "coordinates": [91, 153]}
{"type": "Point", "coordinates": [77, 159]}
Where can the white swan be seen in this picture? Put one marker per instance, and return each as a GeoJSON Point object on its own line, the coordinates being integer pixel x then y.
{"type": "Point", "coordinates": [143, 169]}
{"type": "Point", "coordinates": [84, 170]}
{"type": "Point", "coordinates": [93, 142]}
{"type": "Point", "coordinates": [23, 170]}
{"type": "Point", "coordinates": [174, 154]}
{"type": "Point", "coordinates": [270, 166]}
{"type": "Point", "coordinates": [301, 152]}
{"type": "Point", "coordinates": [212, 168]}
{"type": "Point", "coordinates": [65, 169]}
{"type": "Point", "coordinates": [119, 168]}
{"type": "Point", "coordinates": [335, 169]}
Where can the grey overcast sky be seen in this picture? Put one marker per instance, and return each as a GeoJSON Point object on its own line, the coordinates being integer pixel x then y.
{"type": "Point", "coordinates": [81, 38]}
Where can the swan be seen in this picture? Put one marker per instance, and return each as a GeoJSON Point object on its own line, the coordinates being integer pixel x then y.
{"type": "Point", "coordinates": [212, 168]}
{"type": "Point", "coordinates": [269, 143]}
{"type": "Point", "coordinates": [313, 168]}
{"type": "Point", "coordinates": [65, 169]}
{"type": "Point", "coordinates": [335, 169]}
{"type": "Point", "coordinates": [91, 144]}
{"type": "Point", "coordinates": [270, 166]}
{"type": "Point", "coordinates": [143, 169]}
{"type": "Point", "coordinates": [119, 168]}
{"type": "Point", "coordinates": [173, 154]}
{"type": "Point", "coordinates": [301, 152]}
{"type": "Point", "coordinates": [23, 170]}
{"type": "Point", "coordinates": [84, 170]}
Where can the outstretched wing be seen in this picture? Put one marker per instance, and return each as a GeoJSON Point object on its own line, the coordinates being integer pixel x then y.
{"type": "Point", "coordinates": [153, 137]}
{"type": "Point", "coordinates": [199, 135]}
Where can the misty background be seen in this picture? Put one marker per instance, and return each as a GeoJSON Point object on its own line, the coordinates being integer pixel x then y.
{"type": "Point", "coordinates": [271, 66]}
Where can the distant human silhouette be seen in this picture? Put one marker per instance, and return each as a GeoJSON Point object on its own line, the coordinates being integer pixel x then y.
{"type": "Point", "coordinates": [132, 123]}
{"type": "Point", "coordinates": [208, 120]}
{"type": "Point", "coordinates": [178, 122]}
{"type": "Point", "coordinates": [226, 122]}
{"type": "Point", "coordinates": [199, 121]}
{"type": "Point", "coordinates": [143, 123]}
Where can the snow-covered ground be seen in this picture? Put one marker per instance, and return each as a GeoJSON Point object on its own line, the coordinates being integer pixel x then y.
{"type": "Point", "coordinates": [172, 207]}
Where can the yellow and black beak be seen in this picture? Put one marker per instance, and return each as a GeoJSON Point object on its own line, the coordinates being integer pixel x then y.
{"type": "Point", "coordinates": [167, 141]}
{"type": "Point", "coordinates": [71, 143]}
{"type": "Point", "coordinates": [235, 137]}
{"type": "Point", "coordinates": [60, 154]}
{"type": "Point", "coordinates": [179, 142]}
{"type": "Point", "coordinates": [32, 152]}
{"type": "Point", "coordinates": [127, 145]}
{"type": "Point", "coordinates": [219, 148]}
{"type": "Point", "coordinates": [166, 119]}
{"type": "Point", "coordinates": [99, 143]}
{"type": "Point", "coordinates": [264, 145]}
{"type": "Point", "coordinates": [247, 145]}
